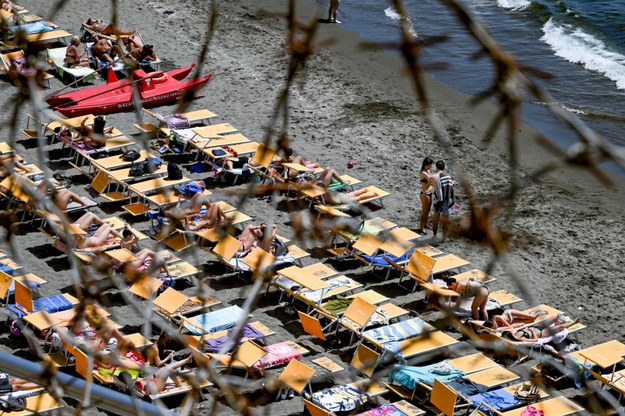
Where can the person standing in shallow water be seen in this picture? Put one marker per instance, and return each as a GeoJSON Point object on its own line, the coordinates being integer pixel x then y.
{"type": "Point", "coordinates": [426, 180]}
{"type": "Point", "coordinates": [333, 10]}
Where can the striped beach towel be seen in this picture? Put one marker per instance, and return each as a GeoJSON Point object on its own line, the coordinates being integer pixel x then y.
{"type": "Point", "coordinates": [396, 332]}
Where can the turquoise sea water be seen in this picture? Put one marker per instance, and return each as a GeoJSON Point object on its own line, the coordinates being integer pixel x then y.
{"type": "Point", "coordinates": [581, 43]}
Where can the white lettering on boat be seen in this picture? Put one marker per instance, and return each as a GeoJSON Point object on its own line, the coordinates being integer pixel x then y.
{"type": "Point", "coordinates": [157, 98]}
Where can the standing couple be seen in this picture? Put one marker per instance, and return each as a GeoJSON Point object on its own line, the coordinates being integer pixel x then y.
{"type": "Point", "coordinates": [437, 192]}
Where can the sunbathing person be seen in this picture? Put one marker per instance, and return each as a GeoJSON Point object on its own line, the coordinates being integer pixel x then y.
{"type": "Point", "coordinates": [155, 383]}
{"type": "Point", "coordinates": [7, 160]}
{"type": "Point", "coordinates": [9, 384]}
{"type": "Point", "coordinates": [98, 233]}
{"type": "Point", "coordinates": [544, 329]}
{"type": "Point", "coordinates": [73, 57]}
{"type": "Point", "coordinates": [195, 199]}
{"type": "Point", "coordinates": [213, 217]}
{"type": "Point", "coordinates": [289, 158]}
{"type": "Point", "coordinates": [61, 196]}
{"type": "Point", "coordinates": [255, 236]}
{"type": "Point", "coordinates": [356, 196]}
{"type": "Point", "coordinates": [471, 288]}
{"type": "Point", "coordinates": [99, 26]}
{"type": "Point", "coordinates": [144, 257]}
{"type": "Point", "coordinates": [102, 49]}
{"type": "Point", "coordinates": [512, 318]}
{"type": "Point", "coordinates": [143, 54]}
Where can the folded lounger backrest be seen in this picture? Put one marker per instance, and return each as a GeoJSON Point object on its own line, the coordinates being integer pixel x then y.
{"type": "Point", "coordinates": [359, 312]}
{"type": "Point", "coordinates": [297, 376]}
{"type": "Point", "coordinates": [311, 325]}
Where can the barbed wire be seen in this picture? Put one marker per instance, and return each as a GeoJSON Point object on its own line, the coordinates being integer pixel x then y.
{"type": "Point", "coordinates": [483, 223]}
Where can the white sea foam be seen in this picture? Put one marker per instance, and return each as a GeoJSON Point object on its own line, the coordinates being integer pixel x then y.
{"type": "Point", "coordinates": [575, 45]}
{"type": "Point", "coordinates": [573, 110]}
{"type": "Point", "coordinates": [391, 13]}
{"type": "Point", "coordinates": [514, 4]}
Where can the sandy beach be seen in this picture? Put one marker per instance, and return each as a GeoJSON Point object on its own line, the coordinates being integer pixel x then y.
{"type": "Point", "coordinates": [351, 104]}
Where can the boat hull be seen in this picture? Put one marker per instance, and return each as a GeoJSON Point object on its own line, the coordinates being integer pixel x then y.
{"type": "Point", "coordinates": [153, 89]}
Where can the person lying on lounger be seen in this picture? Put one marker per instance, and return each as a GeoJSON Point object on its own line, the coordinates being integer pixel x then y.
{"type": "Point", "coordinates": [541, 330]}
{"type": "Point", "coordinates": [98, 233]}
{"type": "Point", "coordinates": [155, 383]}
{"type": "Point", "coordinates": [211, 218]}
{"type": "Point", "coordinates": [99, 26]}
{"type": "Point", "coordinates": [191, 199]}
{"type": "Point", "coordinates": [58, 194]}
{"type": "Point", "coordinates": [144, 257]}
{"type": "Point", "coordinates": [9, 384]}
{"type": "Point", "coordinates": [288, 157]}
{"type": "Point", "coordinates": [9, 159]}
{"type": "Point", "coordinates": [512, 318]}
{"type": "Point", "coordinates": [256, 236]}
{"type": "Point", "coordinates": [356, 196]}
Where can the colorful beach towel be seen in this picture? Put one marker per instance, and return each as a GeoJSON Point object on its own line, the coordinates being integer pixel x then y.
{"type": "Point", "coordinates": [408, 376]}
{"type": "Point", "coordinates": [216, 344]}
{"type": "Point", "coordinates": [387, 409]}
{"type": "Point", "coordinates": [278, 354]}
{"type": "Point", "coordinates": [399, 331]}
{"type": "Point", "coordinates": [340, 398]}
{"type": "Point", "coordinates": [215, 321]}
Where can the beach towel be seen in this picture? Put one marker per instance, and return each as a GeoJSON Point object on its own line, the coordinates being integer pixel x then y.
{"type": "Point", "coordinates": [408, 376]}
{"type": "Point", "coordinates": [215, 321]}
{"type": "Point", "coordinates": [50, 304]}
{"type": "Point", "coordinates": [399, 331]}
{"type": "Point", "coordinates": [381, 259]}
{"type": "Point", "coordinates": [317, 295]}
{"type": "Point", "coordinates": [32, 28]}
{"type": "Point", "coordinates": [216, 344]}
{"type": "Point", "coordinates": [387, 409]}
{"type": "Point", "coordinates": [340, 398]}
{"type": "Point", "coordinates": [278, 354]}
{"type": "Point", "coordinates": [499, 399]}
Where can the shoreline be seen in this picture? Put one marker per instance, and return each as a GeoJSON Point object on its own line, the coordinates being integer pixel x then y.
{"type": "Point", "coordinates": [357, 106]}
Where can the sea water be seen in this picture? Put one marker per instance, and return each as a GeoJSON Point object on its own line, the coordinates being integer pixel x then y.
{"type": "Point", "coordinates": [581, 43]}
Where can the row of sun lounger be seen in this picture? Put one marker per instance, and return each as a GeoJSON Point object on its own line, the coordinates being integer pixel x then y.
{"type": "Point", "coordinates": [384, 332]}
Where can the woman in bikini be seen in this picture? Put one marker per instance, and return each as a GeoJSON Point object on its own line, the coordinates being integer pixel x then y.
{"type": "Point", "coordinates": [426, 180]}
{"type": "Point", "coordinates": [106, 29]}
{"type": "Point", "coordinates": [536, 332]}
{"type": "Point", "coordinates": [254, 236]}
{"type": "Point", "coordinates": [512, 318]}
{"type": "Point", "coordinates": [212, 218]}
{"type": "Point", "coordinates": [73, 57]}
{"type": "Point", "coordinates": [471, 288]}
{"type": "Point", "coordinates": [98, 233]}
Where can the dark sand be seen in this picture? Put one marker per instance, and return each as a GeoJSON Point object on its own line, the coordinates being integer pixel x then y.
{"type": "Point", "coordinates": [358, 105]}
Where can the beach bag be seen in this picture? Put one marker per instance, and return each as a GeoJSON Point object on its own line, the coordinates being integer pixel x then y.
{"type": "Point", "coordinates": [137, 169]}
{"type": "Point", "coordinates": [177, 122]}
{"type": "Point", "coordinates": [173, 171]}
{"type": "Point", "coordinates": [130, 156]}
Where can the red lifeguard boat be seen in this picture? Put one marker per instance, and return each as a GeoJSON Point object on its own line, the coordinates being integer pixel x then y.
{"type": "Point", "coordinates": [115, 96]}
